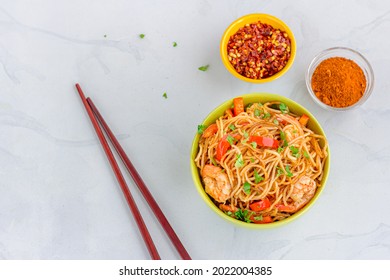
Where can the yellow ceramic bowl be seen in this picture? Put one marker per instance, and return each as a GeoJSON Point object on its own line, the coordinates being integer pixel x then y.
{"type": "Point", "coordinates": [248, 19]}
{"type": "Point", "coordinates": [253, 98]}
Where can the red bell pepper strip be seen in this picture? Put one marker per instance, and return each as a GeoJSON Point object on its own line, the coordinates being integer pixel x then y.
{"type": "Point", "coordinates": [224, 145]}
{"type": "Point", "coordinates": [260, 205]}
{"type": "Point", "coordinates": [264, 141]}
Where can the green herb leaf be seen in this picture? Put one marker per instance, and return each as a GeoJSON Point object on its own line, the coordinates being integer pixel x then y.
{"type": "Point", "coordinates": [283, 108]}
{"type": "Point", "coordinates": [239, 161]}
{"type": "Point", "coordinates": [243, 215]}
{"type": "Point", "coordinates": [279, 171]}
{"type": "Point", "coordinates": [266, 115]}
{"type": "Point", "coordinates": [204, 68]}
{"type": "Point", "coordinates": [230, 139]}
{"type": "Point", "coordinates": [258, 218]}
{"type": "Point", "coordinates": [232, 127]}
{"type": "Point", "coordinates": [201, 128]}
{"type": "Point", "coordinates": [306, 155]}
{"type": "Point", "coordinates": [289, 174]}
{"type": "Point", "coordinates": [246, 135]}
{"type": "Point", "coordinates": [257, 112]}
{"type": "Point", "coordinates": [174, 44]}
{"type": "Point", "coordinates": [283, 137]}
{"type": "Point", "coordinates": [258, 178]}
{"type": "Point", "coordinates": [142, 36]}
{"type": "Point", "coordinates": [214, 162]}
{"type": "Point", "coordinates": [276, 122]}
{"type": "Point", "coordinates": [294, 151]}
{"type": "Point", "coordinates": [252, 160]}
{"type": "Point", "coordinates": [165, 95]}
{"type": "Point", "coordinates": [254, 145]}
{"type": "Point", "coordinates": [280, 149]}
{"type": "Point", "coordinates": [247, 188]}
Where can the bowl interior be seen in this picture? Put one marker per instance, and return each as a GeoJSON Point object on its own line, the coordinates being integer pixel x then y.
{"type": "Point", "coordinates": [248, 19]}
{"type": "Point", "coordinates": [252, 98]}
{"type": "Point", "coordinates": [358, 58]}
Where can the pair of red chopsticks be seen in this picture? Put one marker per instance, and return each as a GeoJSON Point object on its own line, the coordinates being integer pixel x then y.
{"type": "Point", "coordinates": [97, 118]}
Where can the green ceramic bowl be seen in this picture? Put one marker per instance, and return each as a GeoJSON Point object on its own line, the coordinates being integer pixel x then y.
{"type": "Point", "coordinates": [252, 98]}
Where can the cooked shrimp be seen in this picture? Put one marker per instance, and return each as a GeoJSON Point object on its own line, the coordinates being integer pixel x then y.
{"type": "Point", "coordinates": [216, 182]}
{"type": "Point", "coordinates": [303, 192]}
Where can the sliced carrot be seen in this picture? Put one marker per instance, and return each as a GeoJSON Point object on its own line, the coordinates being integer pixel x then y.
{"type": "Point", "coordinates": [238, 103]}
{"type": "Point", "coordinates": [303, 119]}
{"type": "Point", "coordinates": [210, 131]}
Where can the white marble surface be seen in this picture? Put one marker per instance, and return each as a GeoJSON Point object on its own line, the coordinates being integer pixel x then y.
{"type": "Point", "coordinates": [60, 200]}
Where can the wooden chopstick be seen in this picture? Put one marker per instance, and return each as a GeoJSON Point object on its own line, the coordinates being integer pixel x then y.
{"type": "Point", "coordinates": [129, 198]}
{"type": "Point", "coordinates": [141, 185]}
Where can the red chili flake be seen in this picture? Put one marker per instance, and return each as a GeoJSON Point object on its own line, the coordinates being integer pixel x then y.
{"type": "Point", "coordinates": [258, 50]}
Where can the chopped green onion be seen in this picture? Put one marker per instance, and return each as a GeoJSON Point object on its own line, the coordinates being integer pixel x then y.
{"type": "Point", "coordinates": [204, 68]}
{"type": "Point", "coordinates": [266, 115]}
{"type": "Point", "coordinates": [232, 127]}
{"type": "Point", "coordinates": [276, 122]}
{"type": "Point", "coordinates": [252, 160]}
{"type": "Point", "coordinates": [280, 149]}
{"type": "Point", "coordinates": [258, 218]}
{"type": "Point", "coordinates": [142, 36]}
{"type": "Point", "coordinates": [254, 145]}
{"type": "Point", "coordinates": [257, 112]}
{"type": "Point", "coordinates": [279, 171]}
{"type": "Point", "coordinates": [246, 135]}
{"type": "Point", "coordinates": [306, 155]}
{"type": "Point", "coordinates": [214, 162]}
{"type": "Point", "coordinates": [165, 95]}
{"type": "Point", "coordinates": [239, 161]}
{"type": "Point", "coordinates": [258, 178]}
{"type": "Point", "coordinates": [283, 108]}
{"type": "Point", "coordinates": [230, 139]}
{"type": "Point", "coordinates": [294, 151]}
{"type": "Point", "coordinates": [247, 188]}
{"type": "Point", "coordinates": [201, 128]}
{"type": "Point", "coordinates": [289, 174]}
{"type": "Point", "coordinates": [174, 44]}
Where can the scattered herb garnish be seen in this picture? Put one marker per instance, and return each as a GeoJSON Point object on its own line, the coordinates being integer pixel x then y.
{"type": "Point", "coordinates": [283, 108]}
{"type": "Point", "coordinates": [294, 151]}
{"type": "Point", "coordinates": [244, 215]}
{"type": "Point", "coordinates": [165, 95]}
{"type": "Point", "coordinates": [214, 162]}
{"type": "Point", "coordinates": [204, 68]}
{"type": "Point", "coordinates": [230, 139]}
{"type": "Point", "coordinates": [201, 128]}
{"type": "Point", "coordinates": [142, 36]}
{"type": "Point", "coordinates": [276, 122]}
{"type": "Point", "coordinates": [257, 112]}
{"type": "Point", "coordinates": [258, 178]}
{"type": "Point", "coordinates": [232, 127]}
{"type": "Point", "coordinates": [239, 161]}
{"type": "Point", "coordinates": [247, 188]}
{"type": "Point", "coordinates": [266, 115]}
{"type": "Point", "coordinates": [252, 160]}
{"type": "Point", "coordinates": [279, 171]}
{"type": "Point", "coordinates": [289, 174]}
{"type": "Point", "coordinates": [280, 149]}
{"type": "Point", "coordinates": [305, 154]}
{"type": "Point", "coordinates": [283, 137]}
{"type": "Point", "coordinates": [254, 145]}
{"type": "Point", "coordinates": [245, 134]}
{"type": "Point", "coordinates": [229, 213]}
{"type": "Point", "coordinates": [258, 218]}
{"type": "Point", "coordinates": [174, 44]}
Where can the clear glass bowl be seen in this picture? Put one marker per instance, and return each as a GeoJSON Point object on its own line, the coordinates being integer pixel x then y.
{"type": "Point", "coordinates": [349, 54]}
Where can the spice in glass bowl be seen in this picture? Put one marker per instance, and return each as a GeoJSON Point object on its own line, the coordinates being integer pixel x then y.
{"type": "Point", "coordinates": [258, 50]}
{"type": "Point", "coordinates": [338, 82]}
